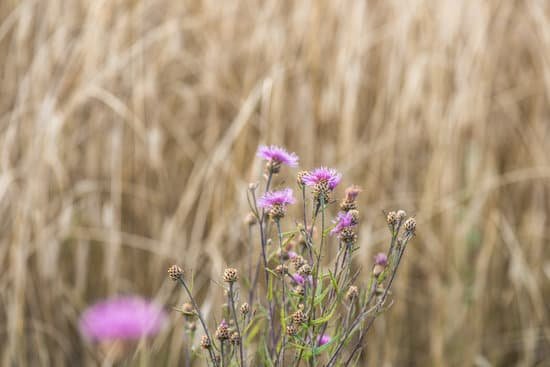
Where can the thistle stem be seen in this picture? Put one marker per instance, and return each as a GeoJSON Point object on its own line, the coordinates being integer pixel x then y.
{"type": "Point", "coordinates": [231, 296]}
{"type": "Point", "coordinates": [201, 319]}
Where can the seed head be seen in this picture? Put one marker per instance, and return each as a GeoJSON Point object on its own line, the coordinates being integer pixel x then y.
{"type": "Point", "coordinates": [245, 309]}
{"type": "Point", "coordinates": [291, 330]}
{"type": "Point", "coordinates": [205, 342]}
{"type": "Point", "coordinates": [304, 270]}
{"type": "Point", "coordinates": [352, 293]}
{"type": "Point", "coordinates": [230, 275]}
{"type": "Point", "coordinates": [175, 272]}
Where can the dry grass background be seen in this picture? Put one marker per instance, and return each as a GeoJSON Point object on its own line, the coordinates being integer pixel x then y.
{"type": "Point", "coordinates": [127, 136]}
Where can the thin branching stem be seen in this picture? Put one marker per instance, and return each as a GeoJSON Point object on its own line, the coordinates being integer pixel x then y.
{"type": "Point", "coordinates": [201, 319]}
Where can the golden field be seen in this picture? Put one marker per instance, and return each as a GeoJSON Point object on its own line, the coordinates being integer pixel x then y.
{"type": "Point", "coordinates": [128, 132]}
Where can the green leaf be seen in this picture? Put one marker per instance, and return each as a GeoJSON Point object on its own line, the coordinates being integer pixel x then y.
{"type": "Point", "coordinates": [323, 319]}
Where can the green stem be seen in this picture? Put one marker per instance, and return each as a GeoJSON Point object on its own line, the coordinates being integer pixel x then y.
{"type": "Point", "coordinates": [201, 319]}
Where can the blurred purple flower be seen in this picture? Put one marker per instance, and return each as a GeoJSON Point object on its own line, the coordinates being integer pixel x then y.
{"type": "Point", "coordinates": [292, 254]}
{"type": "Point", "coordinates": [277, 155]}
{"type": "Point", "coordinates": [300, 279]}
{"type": "Point", "coordinates": [352, 192]}
{"type": "Point", "coordinates": [323, 339]}
{"type": "Point", "coordinates": [271, 198]}
{"type": "Point", "coordinates": [121, 318]}
{"type": "Point", "coordinates": [381, 259]}
{"type": "Point", "coordinates": [344, 220]}
{"type": "Point", "coordinates": [329, 175]}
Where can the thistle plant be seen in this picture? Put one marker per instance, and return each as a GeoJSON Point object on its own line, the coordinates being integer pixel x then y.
{"type": "Point", "coordinates": [295, 308]}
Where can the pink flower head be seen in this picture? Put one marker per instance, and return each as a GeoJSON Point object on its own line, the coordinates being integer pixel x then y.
{"type": "Point", "coordinates": [298, 279]}
{"type": "Point", "coordinates": [271, 198]}
{"type": "Point", "coordinates": [344, 220]}
{"type": "Point", "coordinates": [292, 254]}
{"type": "Point", "coordinates": [121, 318]}
{"type": "Point", "coordinates": [323, 339]}
{"type": "Point", "coordinates": [352, 192]}
{"type": "Point", "coordinates": [328, 175]}
{"type": "Point", "coordinates": [278, 155]}
{"type": "Point", "coordinates": [223, 324]}
{"type": "Point", "coordinates": [381, 259]}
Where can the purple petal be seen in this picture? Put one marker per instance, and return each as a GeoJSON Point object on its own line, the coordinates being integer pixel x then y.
{"type": "Point", "coordinates": [282, 197]}
{"type": "Point", "coordinates": [323, 339]}
{"type": "Point", "coordinates": [278, 154]}
{"type": "Point", "coordinates": [381, 259]}
{"type": "Point", "coordinates": [122, 318]}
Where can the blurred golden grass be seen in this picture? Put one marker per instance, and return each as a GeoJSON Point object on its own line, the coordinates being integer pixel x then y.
{"type": "Point", "coordinates": [128, 131]}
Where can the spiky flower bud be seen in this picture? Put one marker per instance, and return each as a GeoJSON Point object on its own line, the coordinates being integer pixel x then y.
{"type": "Point", "coordinates": [277, 212]}
{"type": "Point", "coordinates": [222, 332]}
{"type": "Point", "coordinates": [410, 225]}
{"type": "Point", "coordinates": [273, 167]}
{"type": "Point", "coordinates": [230, 275]}
{"type": "Point", "coordinates": [300, 178]}
{"type": "Point", "coordinates": [391, 218]}
{"type": "Point", "coordinates": [354, 216]}
{"type": "Point", "coordinates": [299, 317]}
{"type": "Point", "coordinates": [401, 214]}
{"type": "Point", "coordinates": [348, 235]}
{"type": "Point", "coordinates": [281, 269]}
{"type": "Point", "coordinates": [291, 330]}
{"type": "Point", "coordinates": [321, 192]}
{"type": "Point", "coordinates": [245, 309]}
{"type": "Point", "coordinates": [175, 272]}
{"type": "Point", "coordinates": [205, 342]}
{"type": "Point", "coordinates": [304, 270]}
{"type": "Point", "coordinates": [297, 262]}
{"type": "Point", "coordinates": [235, 338]}
{"type": "Point", "coordinates": [300, 290]}
{"type": "Point", "coordinates": [352, 293]}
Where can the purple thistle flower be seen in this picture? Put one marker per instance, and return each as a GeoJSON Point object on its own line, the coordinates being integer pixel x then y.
{"type": "Point", "coordinates": [272, 198]}
{"type": "Point", "coordinates": [329, 175]}
{"type": "Point", "coordinates": [298, 279]}
{"type": "Point", "coordinates": [344, 220]}
{"type": "Point", "coordinates": [277, 154]}
{"type": "Point", "coordinates": [292, 254]}
{"type": "Point", "coordinates": [121, 318]}
{"type": "Point", "coordinates": [323, 339]}
{"type": "Point", "coordinates": [381, 259]}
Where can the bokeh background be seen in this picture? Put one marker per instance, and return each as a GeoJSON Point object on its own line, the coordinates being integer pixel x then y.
{"type": "Point", "coordinates": [128, 132]}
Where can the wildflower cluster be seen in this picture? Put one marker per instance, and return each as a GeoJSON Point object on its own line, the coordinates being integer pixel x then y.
{"type": "Point", "coordinates": [292, 309]}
